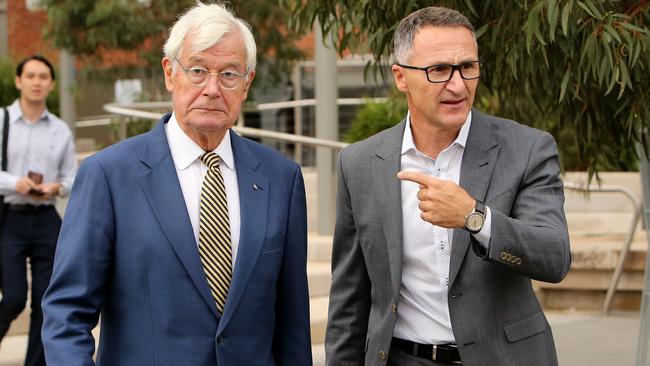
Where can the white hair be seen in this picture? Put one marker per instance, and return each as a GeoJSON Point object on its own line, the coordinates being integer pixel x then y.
{"type": "Point", "coordinates": [207, 24]}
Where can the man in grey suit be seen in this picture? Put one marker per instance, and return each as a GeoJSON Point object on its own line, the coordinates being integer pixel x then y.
{"type": "Point", "coordinates": [411, 202]}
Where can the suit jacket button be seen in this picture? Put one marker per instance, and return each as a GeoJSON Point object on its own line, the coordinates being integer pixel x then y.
{"type": "Point", "coordinates": [219, 339]}
{"type": "Point", "coordinates": [394, 308]}
{"type": "Point", "coordinates": [382, 355]}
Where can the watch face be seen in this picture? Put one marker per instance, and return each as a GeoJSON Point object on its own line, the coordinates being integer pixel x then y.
{"type": "Point", "coordinates": [475, 221]}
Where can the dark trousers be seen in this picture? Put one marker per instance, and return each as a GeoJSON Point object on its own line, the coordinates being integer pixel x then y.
{"type": "Point", "coordinates": [27, 235]}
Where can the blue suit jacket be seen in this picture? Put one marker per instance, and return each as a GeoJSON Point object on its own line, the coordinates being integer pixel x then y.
{"type": "Point", "coordinates": [127, 251]}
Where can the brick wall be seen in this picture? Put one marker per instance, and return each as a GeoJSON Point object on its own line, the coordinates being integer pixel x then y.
{"type": "Point", "coordinates": [25, 32]}
{"type": "Point", "coordinates": [25, 37]}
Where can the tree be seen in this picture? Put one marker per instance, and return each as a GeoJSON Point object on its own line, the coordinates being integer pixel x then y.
{"type": "Point", "coordinates": [88, 27]}
{"type": "Point", "coordinates": [578, 69]}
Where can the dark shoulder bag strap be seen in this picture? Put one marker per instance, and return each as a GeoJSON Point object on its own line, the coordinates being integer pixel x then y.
{"type": "Point", "coordinates": [5, 138]}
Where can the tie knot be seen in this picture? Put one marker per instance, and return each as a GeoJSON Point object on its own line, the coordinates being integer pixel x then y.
{"type": "Point", "coordinates": [210, 159]}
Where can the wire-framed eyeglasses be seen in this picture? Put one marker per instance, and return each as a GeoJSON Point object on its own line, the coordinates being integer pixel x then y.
{"type": "Point", "coordinates": [442, 73]}
{"type": "Point", "coordinates": [199, 76]}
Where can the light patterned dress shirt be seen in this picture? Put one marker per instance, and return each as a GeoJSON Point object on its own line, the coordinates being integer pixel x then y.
{"type": "Point", "coordinates": [423, 314]}
{"type": "Point", "coordinates": [45, 146]}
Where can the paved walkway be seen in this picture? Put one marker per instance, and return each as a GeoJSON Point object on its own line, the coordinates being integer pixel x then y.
{"type": "Point", "coordinates": [581, 339]}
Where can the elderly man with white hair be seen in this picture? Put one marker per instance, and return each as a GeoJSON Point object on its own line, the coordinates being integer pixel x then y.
{"type": "Point", "coordinates": [189, 240]}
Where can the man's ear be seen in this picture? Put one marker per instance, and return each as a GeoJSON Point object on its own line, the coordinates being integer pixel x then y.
{"type": "Point", "coordinates": [400, 78]}
{"type": "Point", "coordinates": [18, 82]}
{"type": "Point", "coordinates": [168, 70]}
{"type": "Point", "coordinates": [247, 84]}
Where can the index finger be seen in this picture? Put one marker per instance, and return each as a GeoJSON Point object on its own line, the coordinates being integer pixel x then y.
{"type": "Point", "coordinates": [422, 179]}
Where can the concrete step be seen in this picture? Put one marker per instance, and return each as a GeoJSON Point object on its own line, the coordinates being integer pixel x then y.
{"type": "Point", "coordinates": [319, 247]}
{"type": "Point", "coordinates": [603, 251]}
{"type": "Point", "coordinates": [319, 277]}
{"type": "Point", "coordinates": [318, 316]}
{"type": "Point", "coordinates": [594, 259]}
{"type": "Point", "coordinates": [602, 201]}
{"type": "Point", "coordinates": [601, 222]}
{"type": "Point", "coordinates": [588, 300]}
{"type": "Point", "coordinates": [317, 352]}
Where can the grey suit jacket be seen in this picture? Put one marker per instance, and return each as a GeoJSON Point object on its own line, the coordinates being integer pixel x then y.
{"type": "Point", "coordinates": [495, 316]}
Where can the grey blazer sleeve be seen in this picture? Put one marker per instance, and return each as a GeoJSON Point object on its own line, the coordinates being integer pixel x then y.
{"type": "Point", "coordinates": [349, 306]}
{"type": "Point", "coordinates": [531, 235]}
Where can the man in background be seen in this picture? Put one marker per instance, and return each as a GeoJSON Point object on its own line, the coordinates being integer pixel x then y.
{"type": "Point", "coordinates": [41, 164]}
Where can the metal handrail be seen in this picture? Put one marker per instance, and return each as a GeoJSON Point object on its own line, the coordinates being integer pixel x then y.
{"type": "Point", "coordinates": [129, 110]}
{"type": "Point", "coordinates": [638, 207]}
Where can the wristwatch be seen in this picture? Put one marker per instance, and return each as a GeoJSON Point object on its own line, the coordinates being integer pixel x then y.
{"type": "Point", "coordinates": [474, 220]}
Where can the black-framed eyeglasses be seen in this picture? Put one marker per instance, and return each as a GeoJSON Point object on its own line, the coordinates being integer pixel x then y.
{"type": "Point", "coordinates": [442, 73]}
{"type": "Point", "coordinates": [199, 76]}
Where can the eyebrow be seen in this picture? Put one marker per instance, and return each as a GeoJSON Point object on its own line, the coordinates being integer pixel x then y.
{"type": "Point", "coordinates": [202, 60]}
{"type": "Point", "coordinates": [467, 60]}
{"type": "Point", "coordinates": [44, 73]}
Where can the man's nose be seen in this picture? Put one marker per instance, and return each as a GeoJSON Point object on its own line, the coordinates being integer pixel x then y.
{"type": "Point", "coordinates": [456, 82]}
{"type": "Point", "coordinates": [211, 87]}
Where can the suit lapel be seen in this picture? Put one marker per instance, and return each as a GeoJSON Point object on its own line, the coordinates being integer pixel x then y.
{"type": "Point", "coordinates": [479, 160]}
{"type": "Point", "coordinates": [253, 212]}
{"type": "Point", "coordinates": [163, 191]}
{"type": "Point", "coordinates": [387, 187]}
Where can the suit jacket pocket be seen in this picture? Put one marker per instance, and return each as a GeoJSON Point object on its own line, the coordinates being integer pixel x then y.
{"type": "Point", "coordinates": [270, 251]}
{"type": "Point", "coordinates": [525, 327]}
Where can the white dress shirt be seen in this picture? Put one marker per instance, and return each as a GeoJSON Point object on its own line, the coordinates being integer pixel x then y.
{"type": "Point", "coordinates": [191, 171]}
{"type": "Point", "coordinates": [423, 315]}
{"type": "Point", "coordinates": [45, 146]}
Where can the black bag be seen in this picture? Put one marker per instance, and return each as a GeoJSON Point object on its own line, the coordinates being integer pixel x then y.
{"type": "Point", "coordinates": [3, 208]}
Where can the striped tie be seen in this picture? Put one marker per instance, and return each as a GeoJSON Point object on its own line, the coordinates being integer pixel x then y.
{"type": "Point", "coordinates": [214, 231]}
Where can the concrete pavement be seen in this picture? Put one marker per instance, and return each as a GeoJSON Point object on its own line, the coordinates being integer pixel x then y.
{"type": "Point", "coordinates": [581, 339]}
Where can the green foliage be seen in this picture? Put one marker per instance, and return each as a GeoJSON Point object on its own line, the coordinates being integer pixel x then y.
{"type": "Point", "coordinates": [375, 117]}
{"type": "Point", "coordinates": [85, 27]}
{"type": "Point", "coordinates": [578, 69]}
{"type": "Point", "coordinates": [124, 127]}
{"type": "Point", "coordinates": [9, 93]}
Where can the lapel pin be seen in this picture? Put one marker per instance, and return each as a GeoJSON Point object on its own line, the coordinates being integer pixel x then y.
{"type": "Point", "coordinates": [256, 187]}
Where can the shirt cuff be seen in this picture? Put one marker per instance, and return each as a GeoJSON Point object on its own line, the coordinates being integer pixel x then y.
{"type": "Point", "coordinates": [483, 236]}
{"type": "Point", "coordinates": [63, 190]}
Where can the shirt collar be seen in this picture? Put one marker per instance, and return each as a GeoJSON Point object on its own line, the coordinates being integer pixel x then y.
{"type": "Point", "coordinates": [409, 144]}
{"type": "Point", "coordinates": [185, 151]}
{"type": "Point", "coordinates": [16, 113]}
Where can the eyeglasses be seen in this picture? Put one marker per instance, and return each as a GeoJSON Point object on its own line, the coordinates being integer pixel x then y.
{"type": "Point", "coordinates": [444, 72]}
{"type": "Point", "coordinates": [199, 76]}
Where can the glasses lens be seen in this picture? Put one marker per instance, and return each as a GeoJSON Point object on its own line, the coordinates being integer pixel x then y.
{"type": "Point", "coordinates": [442, 73]}
{"type": "Point", "coordinates": [438, 73]}
{"type": "Point", "coordinates": [470, 70]}
{"type": "Point", "coordinates": [197, 75]}
{"type": "Point", "coordinates": [229, 79]}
